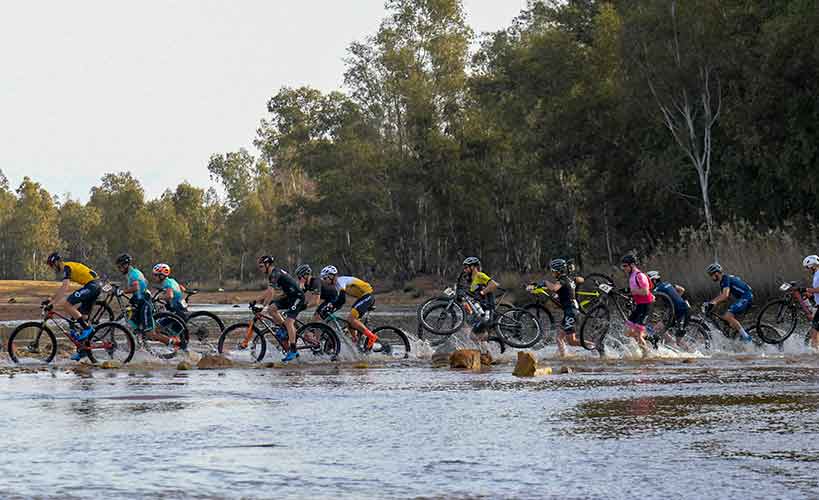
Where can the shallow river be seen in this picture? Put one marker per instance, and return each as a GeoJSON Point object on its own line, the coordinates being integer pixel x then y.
{"type": "Point", "coordinates": [713, 428]}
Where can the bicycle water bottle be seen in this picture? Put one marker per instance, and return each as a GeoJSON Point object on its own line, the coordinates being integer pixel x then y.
{"type": "Point", "coordinates": [478, 310]}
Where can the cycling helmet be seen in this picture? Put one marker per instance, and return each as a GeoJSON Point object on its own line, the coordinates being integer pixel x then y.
{"type": "Point", "coordinates": [713, 268]}
{"type": "Point", "coordinates": [124, 259]}
{"type": "Point", "coordinates": [162, 269]}
{"type": "Point", "coordinates": [472, 261]}
{"type": "Point", "coordinates": [266, 259]}
{"type": "Point", "coordinates": [54, 257]}
{"type": "Point", "coordinates": [628, 259]}
{"type": "Point", "coordinates": [811, 261]}
{"type": "Point", "coordinates": [653, 275]}
{"type": "Point", "coordinates": [559, 266]}
{"type": "Point", "coordinates": [329, 271]}
{"type": "Point", "coordinates": [303, 270]}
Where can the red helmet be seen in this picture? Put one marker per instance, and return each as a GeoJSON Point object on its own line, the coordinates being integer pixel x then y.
{"type": "Point", "coordinates": [162, 269]}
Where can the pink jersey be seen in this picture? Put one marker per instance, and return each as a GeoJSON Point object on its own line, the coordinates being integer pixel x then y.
{"type": "Point", "coordinates": [637, 280]}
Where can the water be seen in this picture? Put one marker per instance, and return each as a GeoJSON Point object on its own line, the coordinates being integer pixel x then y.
{"type": "Point", "coordinates": [718, 427]}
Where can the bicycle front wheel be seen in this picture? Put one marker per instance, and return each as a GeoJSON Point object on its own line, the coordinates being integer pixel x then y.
{"type": "Point", "coordinates": [32, 343]}
{"type": "Point", "coordinates": [545, 320]}
{"type": "Point", "coordinates": [391, 342]}
{"type": "Point", "coordinates": [662, 316]}
{"type": "Point", "coordinates": [242, 343]}
{"type": "Point", "coordinates": [441, 316]}
{"type": "Point", "coordinates": [318, 338]}
{"type": "Point", "coordinates": [595, 327]}
{"type": "Point", "coordinates": [101, 313]}
{"type": "Point", "coordinates": [779, 318]}
{"type": "Point", "coordinates": [518, 328]}
{"type": "Point", "coordinates": [204, 329]}
{"type": "Point", "coordinates": [111, 341]}
{"type": "Point", "coordinates": [696, 337]}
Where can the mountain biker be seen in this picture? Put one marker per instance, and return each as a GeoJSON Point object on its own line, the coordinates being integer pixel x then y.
{"type": "Point", "coordinates": [85, 297]}
{"type": "Point", "coordinates": [360, 290]}
{"type": "Point", "coordinates": [171, 289]}
{"type": "Point", "coordinates": [311, 285]}
{"type": "Point", "coordinates": [811, 264]}
{"type": "Point", "coordinates": [741, 291]}
{"type": "Point", "coordinates": [565, 289]}
{"type": "Point", "coordinates": [143, 316]}
{"type": "Point", "coordinates": [290, 301]}
{"type": "Point", "coordinates": [681, 307]}
{"type": "Point", "coordinates": [482, 287]}
{"type": "Point", "coordinates": [640, 288]}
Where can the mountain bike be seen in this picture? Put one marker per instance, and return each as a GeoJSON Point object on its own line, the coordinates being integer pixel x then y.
{"type": "Point", "coordinates": [701, 328]}
{"type": "Point", "coordinates": [392, 341]}
{"type": "Point", "coordinates": [595, 328]}
{"type": "Point", "coordinates": [204, 327]}
{"type": "Point", "coordinates": [777, 320]}
{"type": "Point", "coordinates": [34, 342]}
{"type": "Point", "coordinates": [514, 326]}
{"type": "Point", "coordinates": [246, 341]}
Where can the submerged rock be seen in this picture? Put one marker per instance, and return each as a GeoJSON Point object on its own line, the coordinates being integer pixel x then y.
{"type": "Point", "coordinates": [110, 364]}
{"type": "Point", "coordinates": [526, 366]}
{"type": "Point", "coordinates": [209, 362]}
{"type": "Point", "coordinates": [486, 359]}
{"type": "Point", "coordinates": [469, 359]}
{"type": "Point", "coordinates": [184, 365]}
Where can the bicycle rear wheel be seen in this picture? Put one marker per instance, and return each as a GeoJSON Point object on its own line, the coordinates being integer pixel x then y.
{"type": "Point", "coordinates": [171, 325]}
{"type": "Point", "coordinates": [595, 327]}
{"type": "Point", "coordinates": [391, 342]}
{"type": "Point", "coordinates": [696, 338]}
{"type": "Point", "coordinates": [239, 343]}
{"type": "Point", "coordinates": [780, 319]}
{"type": "Point", "coordinates": [204, 329]}
{"type": "Point", "coordinates": [441, 316]}
{"type": "Point", "coordinates": [111, 341]}
{"type": "Point", "coordinates": [319, 339]}
{"type": "Point", "coordinates": [545, 320]}
{"type": "Point", "coordinates": [662, 316]}
{"type": "Point", "coordinates": [32, 343]}
{"type": "Point", "coordinates": [518, 328]}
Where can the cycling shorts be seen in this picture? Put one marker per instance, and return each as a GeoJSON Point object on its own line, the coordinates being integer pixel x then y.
{"type": "Point", "coordinates": [637, 319]}
{"type": "Point", "coordinates": [740, 306]}
{"type": "Point", "coordinates": [362, 306]}
{"type": "Point", "coordinates": [569, 322]}
{"type": "Point", "coordinates": [143, 316]}
{"type": "Point", "coordinates": [85, 296]}
{"type": "Point", "coordinates": [815, 322]}
{"type": "Point", "coordinates": [291, 305]}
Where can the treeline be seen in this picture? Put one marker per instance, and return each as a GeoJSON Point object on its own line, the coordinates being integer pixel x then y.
{"type": "Point", "coordinates": [585, 129]}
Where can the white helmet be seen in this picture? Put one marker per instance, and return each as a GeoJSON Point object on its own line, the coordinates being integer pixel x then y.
{"type": "Point", "coordinates": [811, 261]}
{"type": "Point", "coordinates": [328, 271]}
{"type": "Point", "coordinates": [653, 275]}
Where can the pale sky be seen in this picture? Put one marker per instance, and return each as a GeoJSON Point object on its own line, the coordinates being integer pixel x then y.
{"type": "Point", "coordinates": [156, 87]}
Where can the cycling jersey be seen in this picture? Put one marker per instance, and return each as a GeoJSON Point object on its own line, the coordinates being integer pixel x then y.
{"type": "Point", "coordinates": [816, 285]}
{"type": "Point", "coordinates": [177, 302]}
{"type": "Point", "coordinates": [279, 279]}
{"type": "Point", "coordinates": [680, 305]}
{"type": "Point", "coordinates": [739, 289]}
{"type": "Point", "coordinates": [78, 273]}
{"type": "Point", "coordinates": [353, 287]}
{"type": "Point", "coordinates": [135, 274]}
{"type": "Point", "coordinates": [479, 280]}
{"type": "Point", "coordinates": [639, 280]}
{"type": "Point", "coordinates": [566, 295]}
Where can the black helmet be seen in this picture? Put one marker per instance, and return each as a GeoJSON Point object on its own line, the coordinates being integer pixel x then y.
{"type": "Point", "coordinates": [266, 259]}
{"type": "Point", "coordinates": [628, 259]}
{"type": "Point", "coordinates": [124, 259]}
{"type": "Point", "coordinates": [54, 257]}
{"type": "Point", "coordinates": [559, 266]}
{"type": "Point", "coordinates": [472, 261]}
{"type": "Point", "coordinates": [303, 270]}
{"type": "Point", "coordinates": [713, 268]}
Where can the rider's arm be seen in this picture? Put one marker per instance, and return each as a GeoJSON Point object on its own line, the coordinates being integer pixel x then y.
{"type": "Point", "coordinates": [490, 287]}
{"type": "Point", "coordinates": [131, 286]}
{"type": "Point", "coordinates": [552, 286]}
{"type": "Point", "coordinates": [723, 296]}
{"type": "Point", "coordinates": [265, 298]}
{"type": "Point", "coordinates": [62, 292]}
{"type": "Point", "coordinates": [640, 290]}
{"type": "Point", "coordinates": [680, 290]}
{"type": "Point", "coordinates": [169, 295]}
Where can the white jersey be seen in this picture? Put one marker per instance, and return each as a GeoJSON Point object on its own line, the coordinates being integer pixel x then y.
{"type": "Point", "coordinates": [816, 285]}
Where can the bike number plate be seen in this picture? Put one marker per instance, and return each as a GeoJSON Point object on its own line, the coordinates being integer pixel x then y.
{"type": "Point", "coordinates": [106, 288]}
{"type": "Point", "coordinates": [605, 287]}
{"type": "Point", "coordinates": [449, 292]}
{"type": "Point", "coordinates": [785, 287]}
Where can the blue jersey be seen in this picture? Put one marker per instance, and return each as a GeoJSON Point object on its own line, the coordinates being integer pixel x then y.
{"type": "Point", "coordinates": [136, 275]}
{"type": "Point", "coordinates": [739, 289]}
{"type": "Point", "coordinates": [680, 305]}
{"type": "Point", "coordinates": [176, 300]}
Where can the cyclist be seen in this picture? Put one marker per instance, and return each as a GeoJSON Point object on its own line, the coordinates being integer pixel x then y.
{"type": "Point", "coordinates": [482, 287]}
{"type": "Point", "coordinates": [85, 297]}
{"type": "Point", "coordinates": [811, 264]}
{"type": "Point", "coordinates": [640, 288]}
{"type": "Point", "coordinates": [356, 288]}
{"type": "Point", "coordinates": [310, 285]}
{"type": "Point", "coordinates": [142, 319]}
{"type": "Point", "coordinates": [681, 307]}
{"type": "Point", "coordinates": [290, 300]}
{"type": "Point", "coordinates": [171, 289]}
{"type": "Point", "coordinates": [731, 285]}
{"type": "Point", "coordinates": [565, 290]}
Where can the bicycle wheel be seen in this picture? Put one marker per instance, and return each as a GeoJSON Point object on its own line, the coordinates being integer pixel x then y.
{"type": "Point", "coordinates": [171, 325]}
{"type": "Point", "coordinates": [696, 337]}
{"type": "Point", "coordinates": [319, 339]}
{"type": "Point", "coordinates": [111, 341]}
{"type": "Point", "coordinates": [595, 326]}
{"type": "Point", "coordinates": [518, 328]}
{"type": "Point", "coordinates": [441, 316]}
{"type": "Point", "coordinates": [391, 342]}
{"type": "Point", "coordinates": [101, 313]}
{"type": "Point", "coordinates": [662, 316]}
{"type": "Point", "coordinates": [204, 329]}
{"type": "Point", "coordinates": [239, 343]}
{"type": "Point", "coordinates": [588, 294]}
{"type": "Point", "coordinates": [544, 319]}
{"type": "Point", "coordinates": [780, 317]}
{"type": "Point", "coordinates": [32, 343]}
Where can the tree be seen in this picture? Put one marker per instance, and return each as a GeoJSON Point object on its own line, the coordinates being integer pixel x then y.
{"type": "Point", "coordinates": [33, 231]}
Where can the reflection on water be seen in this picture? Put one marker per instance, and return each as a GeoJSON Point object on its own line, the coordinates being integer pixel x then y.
{"type": "Point", "coordinates": [715, 429]}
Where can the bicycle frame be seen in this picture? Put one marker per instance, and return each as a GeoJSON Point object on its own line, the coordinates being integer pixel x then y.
{"type": "Point", "coordinates": [50, 314]}
{"type": "Point", "coordinates": [543, 293]}
{"type": "Point", "coordinates": [269, 326]}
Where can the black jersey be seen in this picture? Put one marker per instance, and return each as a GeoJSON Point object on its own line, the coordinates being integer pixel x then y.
{"type": "Point", "coordinates": [566, 293]}
{"type": "Point", "coordinates": [281, 280]}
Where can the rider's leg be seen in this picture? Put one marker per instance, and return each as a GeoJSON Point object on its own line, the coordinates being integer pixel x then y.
{"type": "Point", "coordinates": [290, 326]}
{"type": "Point", "coordinates": [730, 316]}
{"type": "Point", "coordinates": [561, 343]}
{"type": "Point", "coordinates": [360, 308]}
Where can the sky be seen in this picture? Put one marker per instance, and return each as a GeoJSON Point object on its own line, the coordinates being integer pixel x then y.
{"type": "Point", "coordinates": [156, 87]}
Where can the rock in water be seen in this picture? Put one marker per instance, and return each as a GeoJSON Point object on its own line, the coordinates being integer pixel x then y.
{"type": "Point", "coordinates": [469, 359]}
{"type": "Point", "coordinates": [110, 364]}
{"type": "Point", "coordinates": [486, 359]}
{"type": "Point", "coordinates": [566, 369]}
{"type": "Point", "coordinates": [527, 366]}
{"type": "Point", "coordinates": [440, 359]}
{"type": "Point", "coordinates": [214, 362]}
{"type": "Point", "coordinates": [184, 365]}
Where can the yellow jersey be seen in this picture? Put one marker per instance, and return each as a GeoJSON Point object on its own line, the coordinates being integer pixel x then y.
{"type": "Point", "coordinates": [78, 273]}
{"type": "Point", "coordinates": [353, 287]}
{"type": "Point", "coordinates": [479, 279]}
